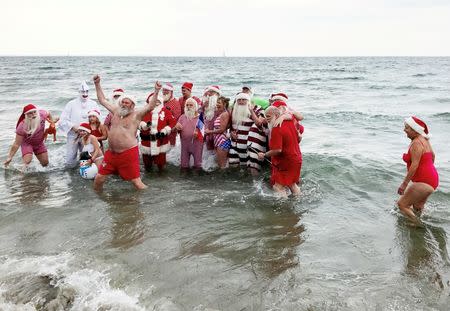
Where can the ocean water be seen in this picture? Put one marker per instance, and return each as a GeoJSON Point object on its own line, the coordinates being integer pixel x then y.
{"type": "Point", "coordinates": [222, 241]}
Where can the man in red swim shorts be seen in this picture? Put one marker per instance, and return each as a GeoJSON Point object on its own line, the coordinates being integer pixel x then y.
{"type": "Point", "coordinates": [122, 157]}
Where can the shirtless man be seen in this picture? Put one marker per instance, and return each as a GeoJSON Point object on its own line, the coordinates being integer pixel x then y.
{"type": "Point", "coordinates": [122, 157]}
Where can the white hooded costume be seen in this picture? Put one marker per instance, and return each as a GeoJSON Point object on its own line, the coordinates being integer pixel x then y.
{"type": "Point", "coordinates": [75, 112]}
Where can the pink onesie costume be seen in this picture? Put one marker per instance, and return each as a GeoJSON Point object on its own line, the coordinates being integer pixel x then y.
{"type": "Point", "coordinates": [33, 143]}
{"type": "Point", "coordinates": [189, 144]}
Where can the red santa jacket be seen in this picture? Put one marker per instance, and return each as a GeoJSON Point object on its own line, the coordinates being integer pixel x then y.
{"type": "Point", "coordinates": [161, 121]}
{"type": "Point", "coordinates": [174, 107]}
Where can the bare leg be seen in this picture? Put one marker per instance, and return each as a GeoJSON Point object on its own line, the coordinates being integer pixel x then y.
{"type": "Point", "coordinates": [253, 171]}
{"type": "Point", "coordinates": [138, 184]}
{"type": "Point", "coordinates": [280, 190]}
{"type": "Point", "coordinates": [415, 195]}
{"type": "Point", "coordinates": [26, 159]}
{"type": "Point", "coordinates": [99, 181]}
{"type": "Point", "coordinates": [222, 157]}
{"type": "Point", "coordinates": [295, 189]}
{"type": "Point", "coordinates": [43, 158]}
{"type": "Point", "coordinates": [54, 137]}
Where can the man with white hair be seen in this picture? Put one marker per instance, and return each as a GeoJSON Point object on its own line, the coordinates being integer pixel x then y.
{"type": "Point", "coordinates": [30, 136]}
{"type": "Point", "coordinates": [191, 145]}
{"type": "Point", "coordinates": [279, 100]}
{"type": "Point", "coordinates": [285, 154]}
{"type": "Point", "coordinates": [115, 101]}
{"type": "Point", "coordinates": [75, 113]}
{"type": "Point", "coordinates": [247, 134]}
{"type": "Point", "coordinates": [171, 103]}
{"type": "Point", "coordinates": [122, 157]}
{"type": "Point", "coordinates": [155, 127]}
{"type": "Point", "coordinates": [211, 96]}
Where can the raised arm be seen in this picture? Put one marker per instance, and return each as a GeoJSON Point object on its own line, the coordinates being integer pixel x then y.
{"type": "Point", "coordinates": [101, 96]}
{"type": "Point", "coordinates": [151, 103]}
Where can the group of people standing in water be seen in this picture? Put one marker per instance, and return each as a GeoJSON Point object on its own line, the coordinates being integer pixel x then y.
{"type": "Point", "coordinates": [243, 133]}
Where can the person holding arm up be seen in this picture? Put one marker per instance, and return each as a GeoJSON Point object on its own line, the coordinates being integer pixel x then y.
{"type": "Point", "coordinates": [122, 157]}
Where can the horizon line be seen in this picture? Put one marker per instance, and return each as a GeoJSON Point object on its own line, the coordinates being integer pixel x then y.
{"type": "Point", "coordinates": [215, 56]}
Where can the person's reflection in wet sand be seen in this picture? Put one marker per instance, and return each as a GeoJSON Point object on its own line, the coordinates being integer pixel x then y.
{"type": "Point", "coordinates": [424, 248]}
{"type": "Point", "coordinates": [270, 250]}
{"type": "Point", "coordinates": [27, 189]}
{"type": "Point", "coordinates": [127, 219]}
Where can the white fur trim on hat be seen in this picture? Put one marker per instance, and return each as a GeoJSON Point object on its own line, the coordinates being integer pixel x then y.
{"type": "Point", "coordinates": [279, 97]}
{"type": "Point", "coordinates": [243, 96]}
{"type": "Point", "coordinates": [118, 93]}
{"type": "Point", "coordinates": [82, 128]}
{"type": "Point", "coordinates": [214, 89]}
{"type": "Point", "coordinates": [167, 87]}
{"type": "Point", "coordinates": [94, 112]}
{"type": "Point", "coordinates": [121, 98]}
{"type": "Point", "coordinates": [416, 127]}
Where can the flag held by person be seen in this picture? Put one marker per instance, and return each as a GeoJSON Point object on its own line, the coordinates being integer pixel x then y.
{"type": "Point", "coordinates": [200, 128]}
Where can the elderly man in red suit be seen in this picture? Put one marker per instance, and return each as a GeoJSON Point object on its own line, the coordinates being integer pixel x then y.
{"type": "Point", "coordinates": [171, 103]}
{"type": "Point", "coordinates": [155, 129]}
{"type": "Point", "coordinates": [284, 152]}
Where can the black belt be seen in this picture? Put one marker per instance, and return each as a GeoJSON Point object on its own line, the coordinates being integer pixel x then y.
{"type": "Point", "coordinates": [150, 137]}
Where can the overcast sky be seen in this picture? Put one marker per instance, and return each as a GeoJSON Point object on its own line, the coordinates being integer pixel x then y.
{"type": "Point", "coordinates": [230, 27]}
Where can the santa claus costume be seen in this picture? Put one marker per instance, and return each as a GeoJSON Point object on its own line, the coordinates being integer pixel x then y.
{"type": "Point", "coordinates": [155, 128]}
{"type": "Point", "coordinates": [173, 105]}
{"type": "Point", "coordinates": [33, 142]}
{"type": "Point", "coordinates": [286, 166]}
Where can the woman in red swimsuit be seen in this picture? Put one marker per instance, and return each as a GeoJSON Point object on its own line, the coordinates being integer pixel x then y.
{"type": "Point", "coordinates": [98, 130]}
{"type": "Point", "coordinates": [420, 170]}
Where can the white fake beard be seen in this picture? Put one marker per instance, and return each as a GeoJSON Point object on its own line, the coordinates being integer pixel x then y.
{"type": "Point", "coordinates": [167, 97]}
{"type": "Point", "coordinates": [115, 101]}
{"type": "Point", "coordinates": [124, 111]}
{"type": "Point", "coordinates": [211, 108]}
{"type": "Point", "coordinates": [240, 113]}
{"type": "Point", "coordinates": [271, 124]}
{"type": "Point", "coordinates": [190, 113]}
{"type": "Point", "coordinates": [32, 124]}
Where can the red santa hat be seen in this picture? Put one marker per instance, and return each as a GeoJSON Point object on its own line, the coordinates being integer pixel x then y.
{"type": "Point", "coordinates": [279, 104]}
{"type": "Point", "coordinates": [418, 125]}
{"type": "Point", "coordinates": [85, 127]}
{"type": "Point", "coordinates": [118, 92]}
{"type": "Point", "coordinates": [26, 109]}
{"type": "Point", "coordinates": [242, 95]}
{"type": "Point", "coordinates": [168, 86]}
{"type": "Point", "coordinates": [279, 96]}
{"type": "Point", "coordinates": [187, 85]}
{"type": "Point", "coordinates": [160, 98]}
{"type": "Point", "coordinates": [214, 88]}
{"type": "Point", "coordinates": [94, 112]}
